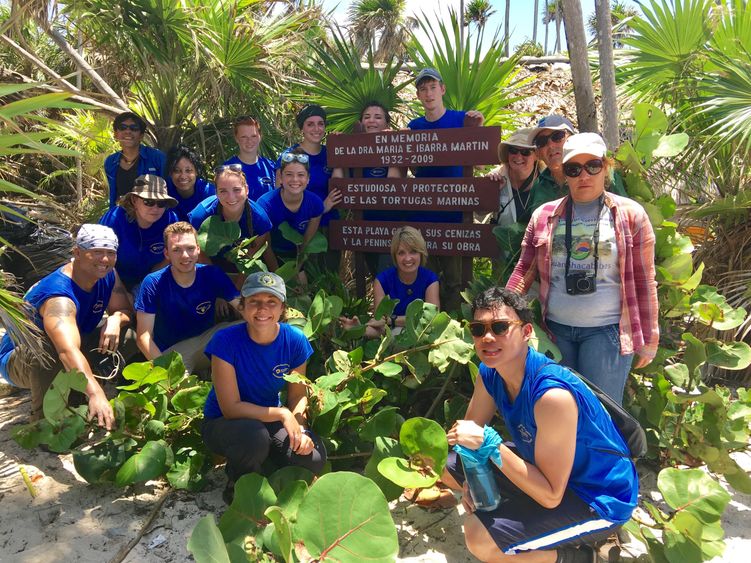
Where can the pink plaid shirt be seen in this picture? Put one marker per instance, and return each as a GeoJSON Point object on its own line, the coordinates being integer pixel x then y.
{"type": "Point", "coordinates": [635, 240]}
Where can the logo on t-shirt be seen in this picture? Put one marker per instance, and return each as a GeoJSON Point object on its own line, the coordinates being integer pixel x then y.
{"type": "Point", "coordinates": [98, 307]}
{"type": "Point", "coordinates": [524, 433]}
{"type": "Point", "coordinates": [280, 370]}
{"type": "Point", "coordinates": [157, 248]}
{"type": "Point", "coordinates": [202, 308]}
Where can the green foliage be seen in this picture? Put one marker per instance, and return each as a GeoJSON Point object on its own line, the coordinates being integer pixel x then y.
{"type": "Point", "coordinates": [424, 443]}
{"type": "Point", "coordinates": [529, 48]}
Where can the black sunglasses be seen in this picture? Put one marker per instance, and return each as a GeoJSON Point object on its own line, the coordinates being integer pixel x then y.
{"type": "Point", "coordinates": [555, 136]}
{"type": "Point", "coordinates": [133, 127]}
{"type": "Point", "coordinates": [478, 329]}
{"type": "Point", "coordinates": [160, 203]}
{"type": "Point", "coordinates": [517, 150]}
{"type": "Point", "coordinates": [234, 167]}
{"type": "Point", "coordinates": [574, 169]}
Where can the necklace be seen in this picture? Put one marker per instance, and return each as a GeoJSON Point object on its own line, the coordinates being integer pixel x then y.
{"type": "Point", "coordinates": [126, 162]}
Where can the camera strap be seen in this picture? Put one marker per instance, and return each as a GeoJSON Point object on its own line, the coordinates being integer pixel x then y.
{"type": "Point", "coordinates": [595, 234]}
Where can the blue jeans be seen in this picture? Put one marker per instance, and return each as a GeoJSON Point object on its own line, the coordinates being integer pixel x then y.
{"type": "Point", "coordinates": [595, 352]}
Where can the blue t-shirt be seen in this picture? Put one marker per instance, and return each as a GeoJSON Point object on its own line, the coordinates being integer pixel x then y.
{"type": "Point", "coordinates": [203, 189]}
{"type": "Point", "coordinates": [375, 214]}
{"type": "Point", "coordinates": [259, 368]}
{"type": "Point", "coordinates": [320, 174]}
{"type": "Point", "coordinates": [261, 176]}
{"type": "Point", "coordinates": [606, 481]}
{"type": "Point", "coordinates": [208, 207]}
{"type": "Point", "coordinates": [90, 305]}
{"type": "Point", "coordinates": [139, 250]}
{"type": "Point", "coordinates": [449, 120]}
{"type": "Point", "coordinates": [183, 312]}
{"type": "Point", "coordinates": [310, 208]}
{"type": "Point", "coordinates": [395, 288]}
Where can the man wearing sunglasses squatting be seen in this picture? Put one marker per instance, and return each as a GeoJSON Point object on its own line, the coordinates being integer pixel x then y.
{"type": "Point", "coordinates": [548, 137]}
{"type": "Point", "coordinates": [567, 479]}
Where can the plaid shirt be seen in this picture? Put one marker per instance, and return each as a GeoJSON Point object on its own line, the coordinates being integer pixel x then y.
{"type": "Point", "coordinates": [635, 240]}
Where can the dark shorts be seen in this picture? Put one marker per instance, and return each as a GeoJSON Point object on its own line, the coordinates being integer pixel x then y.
{"type": "Point", "coordinates": [521, 524]}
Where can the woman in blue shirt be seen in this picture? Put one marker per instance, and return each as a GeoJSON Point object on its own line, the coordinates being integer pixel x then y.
{"type": "Point", "coordinates": [185, 181]}
{"type": "Point", "coordinates": [244, 419]}
{"type": "Point", "coordinates": [259, 171]}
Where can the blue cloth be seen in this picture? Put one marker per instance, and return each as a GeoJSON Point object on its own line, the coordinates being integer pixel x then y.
{"type": "Point", "coordinates": [139, 250]}
{"type": "Point", "coordinates": [394, 288]}
{"type": "Point", "coordinates": [183, 312]}
{"type": "Point", "coordinates": [150, 161]}
{"type": "Point", "coordinates": [90, 305]}
{"type": "Point", "coordinates": [487, 450]}
{"type": "Point", "coordinates": [259, 368]}
{"type": "Point", "coordinates": [320, 174]}
{"type": "Point", "coordinates": [310, 208]}
{"type": "Point", "coordinates": [603, 479]}
{"type": "Point", "coordinates": [203, 189]}
{"type": "Point", "coordinates": [261, 176]}
{"type": "Point", "coordinates": [208, 207]}
{"type": "Point", "coordinates": [449, 120]}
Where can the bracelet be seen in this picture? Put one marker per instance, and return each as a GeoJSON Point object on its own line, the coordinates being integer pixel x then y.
{"type": "Point", "coordinates": [305, 431]}
{"type": "Point", "coordinates": [393, 321]}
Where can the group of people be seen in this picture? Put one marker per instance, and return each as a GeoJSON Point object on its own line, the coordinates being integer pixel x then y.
{"type": "Point", "coordinates": [587, 253]}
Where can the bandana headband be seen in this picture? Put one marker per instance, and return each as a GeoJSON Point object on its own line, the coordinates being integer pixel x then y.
{"type": "Point", "coordinates": [96, 236]}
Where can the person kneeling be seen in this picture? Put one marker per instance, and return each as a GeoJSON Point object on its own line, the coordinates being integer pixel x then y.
{"type": "Point", "coordinates": [244, 419]}
{"type": "Point", "coordinates": [568, 480]}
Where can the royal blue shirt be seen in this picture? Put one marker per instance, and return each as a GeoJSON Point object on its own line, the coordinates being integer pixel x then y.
{"type": "Point", "coordinates": [139, 250]}
{"type": "Point", "coordinates": [185, 205]}
{"type": "Point", "coordinates": [310, 208]}
{"type": "Point", "coordinates": [449, 120]}
{"type": "Point", "coordinates": [183, 312]}
{"type": "Point", "coordinates": [603, 474]}
{"type": "Point", "coordinates": [395, 288]}
{"type": "Point", "coordinates": [320, 174]}
{"type": "Point", "coordinates": [259, 368]}
{"type": "Point", "coordinates": [261, 176]}
{"type": "Point", "coordinates": [150, 161]}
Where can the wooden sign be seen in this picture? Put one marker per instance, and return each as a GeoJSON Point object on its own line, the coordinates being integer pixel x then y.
{"type": "Point", "coordinates": [462, 146]}
{"type": "Point", "coordinates": [442, 239]}
{"type": "Point", "coordinates": [432, 194]}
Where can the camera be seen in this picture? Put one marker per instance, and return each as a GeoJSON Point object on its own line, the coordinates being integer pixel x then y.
{"type": "Point", "coordinates": [581, 283]}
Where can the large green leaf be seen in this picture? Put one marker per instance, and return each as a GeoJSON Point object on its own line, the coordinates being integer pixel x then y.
{"type": "Point", "coordinates": [406, 474]}
{"type": "Point", "coordinates": [101, 463]}
{"type": "Point", "coordinates": [206, 542]}
{"type": "Point", "coordinates": [282, 531]}
{"type": "Point", "coordinates": [424, 441]}
{"type": "Point", "coordinates": [382, 448]}
{"type": "Point", "coordinates": [731, 355]}
{"type": "Point", "coordinates": [149, 463]}
{"type": "Point", "coordinates": [216, 234]}
{"type": "Point", "coordinates": [383, 423]}
{"type": "Point", "coordinates": [55, 402]}
{"type": "Point", "coordinates": [253, 495]}
{"type": "Point", "coordinates": [191, 398]}
{"type": "Point", "coordinates": [694, 491]}
{"type": "Point", "coordinates": [345, 517]}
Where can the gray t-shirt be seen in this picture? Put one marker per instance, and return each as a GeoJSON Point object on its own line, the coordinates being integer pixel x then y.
{"type": "Point", "coordinates": [603, 307]}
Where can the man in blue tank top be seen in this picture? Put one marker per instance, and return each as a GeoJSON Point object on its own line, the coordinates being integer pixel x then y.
{"type": "Point", "coordinates": [68, 307]}
{"type": "Point", "coordinates": [567, 480]}
{"type": "Point", "coordinates": [176, 306]}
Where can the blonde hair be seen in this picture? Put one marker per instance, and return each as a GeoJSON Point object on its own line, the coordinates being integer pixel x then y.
{"type": "Point", "coordinates": [179, 228]}
{"type": "Point", "coordinates": [412, 239]}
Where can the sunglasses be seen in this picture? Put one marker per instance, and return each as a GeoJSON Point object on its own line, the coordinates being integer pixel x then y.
{"type": "Point", "coordinates": [160, 203]}
{"type": "Point", "coordinates": [555, 136]}
{"type": "Point", "coordinates": [478, 329]}
{"type": "Point", "coordinates": [574, 170]}
{"type": "Point", "coordinates": [517, 150]}
{"type": "Point", "coordinates": [288, 157]}
{"type": "Point", "coordinates": [133, 127]}
{"type": "Point", "coordinates": [224, 167]}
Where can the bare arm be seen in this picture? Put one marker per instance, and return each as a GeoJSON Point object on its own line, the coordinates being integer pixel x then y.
{"type": "Point", "coordinates": [310, 230]}
{"type": "Point", "coordinates": [145, 335]}
{"type": "Point", "coordinates": [119, 315]}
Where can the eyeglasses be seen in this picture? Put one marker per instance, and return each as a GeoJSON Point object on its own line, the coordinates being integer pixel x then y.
{"type": "Point", "coordinates": [160, 203]}
{"type": "Point", "coordinates": [478, 329]}
{"type": "Point", "coordinates": [133, 127]}
{"type": "Point", "coordinates": [517, 150]}
{"type": "Point", "coordinates": [574, 169]}
{"type": "Point", "coordinates": [555, 136]}
{"type": "Point", "coordinates": [224, 167]}
{"type": "Point", "coordinates": [288, 157]}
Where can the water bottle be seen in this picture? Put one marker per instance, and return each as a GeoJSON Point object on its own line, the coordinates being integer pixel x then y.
{"type": "Point", "coordinates": [482, 486]}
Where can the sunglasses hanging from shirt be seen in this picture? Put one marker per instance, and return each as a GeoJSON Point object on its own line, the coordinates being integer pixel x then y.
{"type": "Point", "coordinates": [582, 283]}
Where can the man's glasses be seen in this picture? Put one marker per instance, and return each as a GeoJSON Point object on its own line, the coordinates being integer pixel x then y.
{"type": "Point", "coordinates": [517, 150]}
{"type": "Point", "coordinates": [133, 127]}
{"type": "Point", "coordinates": [160, 203]}
{"type": "Point", "coordinates": [574, 169]}
{"type": "Point", "coordinates": [478, 329]}
{"type": "Point", "coordinates": [555, 136]}
{"type": "Point", "coordinates": [224, 167]}
{"type": "Point", "coordinates": [288, 157]}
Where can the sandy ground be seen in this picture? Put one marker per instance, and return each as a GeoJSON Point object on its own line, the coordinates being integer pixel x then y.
{"type": "Point", "coordinates": [70, 520]}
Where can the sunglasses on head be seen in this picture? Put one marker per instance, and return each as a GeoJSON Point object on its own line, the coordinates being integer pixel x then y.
{"type": "Point", "coordinates": [160, 203]}
{"type": "Point", "coordinates": [518, 150]}
{"type": "Point", "coordinates": [224, 167]}
{"type": "Point", "coordinates": [555, 136]}
{"type": "Point", "coordinates": [291, 157]}
{"type": "Point", "coordinates": [478, 329]}
{"type": "Point", "coordinates": [574, 169]}
{"type": "Point", "coordinates": [133, 127]}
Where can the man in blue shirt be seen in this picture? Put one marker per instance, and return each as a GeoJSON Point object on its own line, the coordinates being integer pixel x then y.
{"type": "Point", "coordinates": [568, 479]}
{"type": "Point", "coordinates": [176, 305]}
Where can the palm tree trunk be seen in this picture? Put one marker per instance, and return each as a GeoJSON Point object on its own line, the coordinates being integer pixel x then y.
{"type": "Point", "coordinates": [577, 52]}
{"type": "Point", "coordinates": [506, 26]}
{"type": "Point", "coordinates": [607, 74]}
{"type": "Point", "coordinates": [534, 23]}
{"type": "Point", "coordinates": [558, 18]}
{"type": "Point", "coordinates": [547, 25]}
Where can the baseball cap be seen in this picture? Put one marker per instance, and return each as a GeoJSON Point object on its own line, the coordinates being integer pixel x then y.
{"type": "Point", "coordinates": [431, 73]}
{"type": "Point", "coordinates": [551, 122]}
{"type": "Point", "coordinates": [584, 143]}
{"type": "Point", "coordinates": [264, 282]}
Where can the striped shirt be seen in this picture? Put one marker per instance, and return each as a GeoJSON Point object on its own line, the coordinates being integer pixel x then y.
{"type": "Point", "coordinates": [635, 239]}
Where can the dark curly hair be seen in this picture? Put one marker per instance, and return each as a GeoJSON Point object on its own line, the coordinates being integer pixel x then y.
{"type": "Point", "coordinates": [183, 151]}
{"type": "Point", "coordinates": [123, 117]}
{"type": "Point", "coordinates": [497, 297]}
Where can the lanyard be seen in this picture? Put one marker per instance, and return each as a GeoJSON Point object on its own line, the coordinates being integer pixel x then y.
{"type": "Point", "coordinates": [595, 234]}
